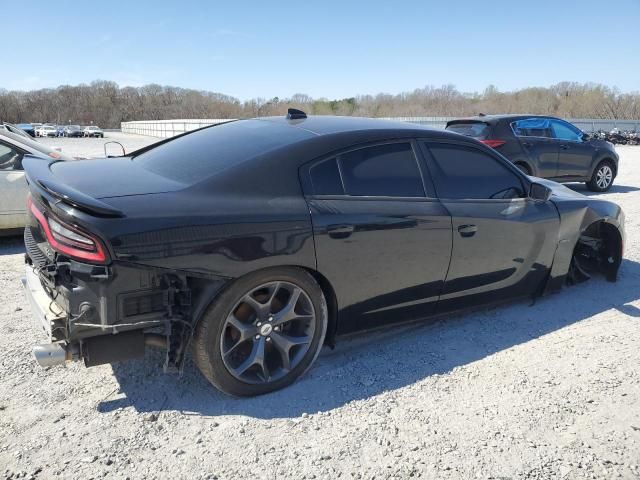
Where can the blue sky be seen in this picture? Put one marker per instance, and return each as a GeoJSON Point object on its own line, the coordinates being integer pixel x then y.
{"type": "Point", "coordinates": [324, 48]}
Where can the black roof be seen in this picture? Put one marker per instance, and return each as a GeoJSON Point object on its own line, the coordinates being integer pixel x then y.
{"type": "Point", "coordinates": [328, 124]}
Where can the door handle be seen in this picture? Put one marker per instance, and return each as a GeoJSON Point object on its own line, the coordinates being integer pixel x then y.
{"type": "Point", "coordinates": [564, 147]}
{"type": "Point", "coordinates": [467, 230]}
{"type": "Point", "coordinates": [527, 144]}
{"type": "Point", "coordinates": [340, 230]}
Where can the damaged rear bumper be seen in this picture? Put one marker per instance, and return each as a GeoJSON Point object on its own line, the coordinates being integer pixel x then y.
{"type": "Point", "coordinates": [50, 317]}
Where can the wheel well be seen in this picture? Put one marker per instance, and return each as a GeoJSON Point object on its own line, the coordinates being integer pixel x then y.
{"type": "Point", "coordinates": [332, 305]}
{"type": "Point", "coordinates": [525, 165]}
{"type": "Point", "coordinates": [610, 162]}
{"type": "Point", "coordinates": [211, 291]}
{"type": "Point", "coordinates": [606, 249]}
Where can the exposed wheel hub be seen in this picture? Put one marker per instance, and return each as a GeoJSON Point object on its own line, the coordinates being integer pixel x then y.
{"type": "Point", "coordinates": [266, 329]}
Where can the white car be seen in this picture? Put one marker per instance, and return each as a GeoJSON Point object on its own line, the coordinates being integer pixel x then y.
{"type": "Point", "coordinates": [13, 186]}
{"type": "Point", "coordinates": [93, 131]}
{"type": "Point", "coordinates": [46, 131]}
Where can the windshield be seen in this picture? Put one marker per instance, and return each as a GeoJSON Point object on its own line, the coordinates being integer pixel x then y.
{"type": "Point", "coordinates": [477, 130]}
{"type": "Point", "coordinates": [204, 153]}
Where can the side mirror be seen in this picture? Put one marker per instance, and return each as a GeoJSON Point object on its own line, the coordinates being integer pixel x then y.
{"type": "Point", "coordinates": [586, 137]}
{"type": "Point", "coordinates": [114, 151]}
{"type": "Point", "coordinates": [537, 191]}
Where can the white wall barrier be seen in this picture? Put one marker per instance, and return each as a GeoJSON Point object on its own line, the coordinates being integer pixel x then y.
{"type": "Point", "coordinates": [167, 128]}
{"type": "Point", "coordinates": [170, 128]}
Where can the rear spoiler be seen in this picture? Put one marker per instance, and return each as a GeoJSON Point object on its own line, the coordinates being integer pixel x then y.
{"type": "Point", "coordinates": [465, 120]}
{"type": "Point", "coordinates": [41, 179]}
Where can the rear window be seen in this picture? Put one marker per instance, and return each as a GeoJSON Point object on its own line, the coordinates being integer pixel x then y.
{"type": "Point", "coordinates": [205, 153]}
{"type": "Point", "coordinates": [471, 129]}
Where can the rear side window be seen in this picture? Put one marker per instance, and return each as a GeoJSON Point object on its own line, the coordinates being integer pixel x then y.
{"type": "Point", "coordinates": [532, 127]}
{"type": "Point", "coordinates": [382, 170]}
{"type": "Point", "coordinates": [472, 129]}
{"type": "Point", "coordinates": [466, 173]}
{"type": "Point", "coordinates": [325, 178]}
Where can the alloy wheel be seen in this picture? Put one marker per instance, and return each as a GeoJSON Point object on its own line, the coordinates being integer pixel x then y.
{"type": "Point", "coordinates": [268, 332]}
{"type": "Point", "coordinates": [604, 176]}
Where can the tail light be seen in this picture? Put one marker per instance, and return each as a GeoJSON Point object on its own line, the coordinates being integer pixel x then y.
{"type": "Point", "coordinates": [493, 143]}
{"type": "Point", "coordinates": [67, 239]}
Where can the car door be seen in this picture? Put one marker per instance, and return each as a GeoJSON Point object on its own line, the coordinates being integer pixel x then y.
{"type": "Point", "coordinates": [503, 241]}
{"type": "Point", "coordinates": [13, 188]}
{"type": "Point", "coordinates": [382, 240]}
{"type": "Point", "coordinates": [575, 156]}
{"type": "Point", "coordinates": [534, 135]}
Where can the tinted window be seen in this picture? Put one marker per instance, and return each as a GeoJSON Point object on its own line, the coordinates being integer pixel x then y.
{"type": "Point", "coordinates": [461, 172]}
{"type": "Point", "coordinates": [532, 127]}
{"type": "Point", "coordinates": [473, 129]}
{"type": "Point", "coordinates": [204, 153]}
{"type": "Point", "coordinates": [384, 170]}
{"type": "Point", "coordinates": [564, 131]}
{"type": "Point", "coordinates": [10, 159]}
{"type": "Point", "coordinates": [325, 178]}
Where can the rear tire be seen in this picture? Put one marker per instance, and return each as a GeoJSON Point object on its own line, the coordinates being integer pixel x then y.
{"type": "Point", "coordinates": [262, 332]}
{"type": "Point", "coordinates": [602, 177]}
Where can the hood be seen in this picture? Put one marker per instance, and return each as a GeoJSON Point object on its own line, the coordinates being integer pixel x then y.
{"type": "Point", "coordinates": [111, 177]}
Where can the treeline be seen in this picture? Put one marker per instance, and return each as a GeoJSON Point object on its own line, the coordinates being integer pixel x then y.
{"type": "Point", "coordinates": [106, 104]}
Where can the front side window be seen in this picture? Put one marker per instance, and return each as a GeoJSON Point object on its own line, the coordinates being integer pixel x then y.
{"type": "Point", "coordinates": [564, 131]}
{"type": "Point", "coordinates": [532, 127]}
{"type": "Point", "coordinates": [10, 158]}
{"type": "Point", "coordinates": [383, 170]}
{"type": "Point", "coordinates": [466, 173]}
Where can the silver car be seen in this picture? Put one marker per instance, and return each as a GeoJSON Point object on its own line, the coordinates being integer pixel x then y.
{"type": "Point", "coordinates": [13, 186]}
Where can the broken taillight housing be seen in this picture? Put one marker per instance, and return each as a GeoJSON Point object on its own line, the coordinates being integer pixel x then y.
{"type": "Point", "coordinates": [67, 239]}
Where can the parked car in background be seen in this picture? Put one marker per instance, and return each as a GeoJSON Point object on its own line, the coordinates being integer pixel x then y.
{"type": "Point", "coordinates": [73, 131]}
{"type": "Point", "coordinates": [93, 131]}
{"type": "Point", "coordinates": [46, 131]}
{"type": "Point", "coordinates": [60, 131]}
{"type": "Point", "coordinates": [27, 128]}
{"type": "Point", "coordinates": [254, 242]}
{"type": "Point", "coordinates": [545, 147]}
{"type": "Point", "coordinates": [9, 127]}
{"type": "Point", "coordinates": [13, 187]}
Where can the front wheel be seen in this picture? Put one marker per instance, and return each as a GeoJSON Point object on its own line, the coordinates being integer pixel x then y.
{"type": "Point", "coordinates": [602, 177]}
{"type": "Point", "coordinates": [262, 333]}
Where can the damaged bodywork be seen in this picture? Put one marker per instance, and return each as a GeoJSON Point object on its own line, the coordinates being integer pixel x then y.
{"type": "Point", "coordinates": [590, 238]}
{"type": "Point", "coordinates": [114, 266]}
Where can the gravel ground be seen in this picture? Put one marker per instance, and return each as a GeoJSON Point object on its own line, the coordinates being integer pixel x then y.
{"type": "Point", "coordinates": [549, 390]}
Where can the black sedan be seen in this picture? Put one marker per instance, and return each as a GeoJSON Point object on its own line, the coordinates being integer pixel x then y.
{"type": "Point", "coordinates": [258, 241]}
{"type": "Point", "coordinates": [547, 147]}
{"type": "Point", "coordinates": [73, 131]}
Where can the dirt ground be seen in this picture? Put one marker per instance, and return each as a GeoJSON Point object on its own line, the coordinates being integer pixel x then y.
{"type": "Point", "coordinates": [546, 390]}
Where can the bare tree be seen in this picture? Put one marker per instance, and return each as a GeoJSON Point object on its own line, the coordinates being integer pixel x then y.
{"type": "Point", "coordinates": [105, 103]}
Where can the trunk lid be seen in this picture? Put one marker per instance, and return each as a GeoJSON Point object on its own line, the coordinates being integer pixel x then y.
{"type": "Point", "coordinates": [110, 177]}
